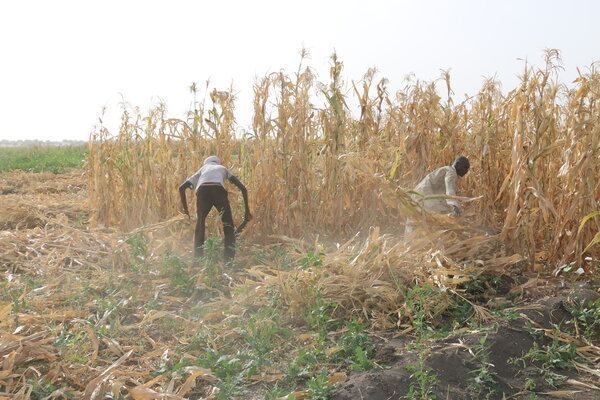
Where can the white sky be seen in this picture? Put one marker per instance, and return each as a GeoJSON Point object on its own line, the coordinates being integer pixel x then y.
{"type": "Point", "coordinates": [63, 61]}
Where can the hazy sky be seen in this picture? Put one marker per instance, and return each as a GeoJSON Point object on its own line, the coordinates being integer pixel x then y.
{"type": "Point", "coordinates": [63, 61]}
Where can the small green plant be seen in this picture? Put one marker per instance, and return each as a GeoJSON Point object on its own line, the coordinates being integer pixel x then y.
{"type": "Point", "coordinates": [209, 263]}
{"type": "Point", "coordinates": [176, 270]}
{"type": "Point", "coordinates": [423, 379]}
{"type": "Point", "coordinates": [40, 390]}
{"type": "Point", "coordinates": [556, 355]}
{"type": "Point", "coordinates": [422, 382]}
{"type": "Point", "coordinates": [554, 379]}
{"type": "Point", "coordinates": [484, 378]}
{"type": "Point", "coordinates": [73, 345]}
{"type": "Point", "coordinates": [318, 315]}
{"type": "Point", "coordinates": [277, 393]}
{"type": "Point", "coordinates": [301, 367]}
{"type": "Point", "coordinates": [230, 371]}
{"type": "Point", "coordinates": [312, 260]}
{"type": "Point", "coordinates": [167, 367]}
{"type": "Point", "coordinates": [530, 384]}
{"type": "Point", "coordinates": [261, 334]}
{"type": "Point", "coordinates": [357, 346]}
{"type": "Point", "coordinates": [229, 389]}
{"type": "Point", "coordinates": [421, 308]}
{"type": "Point", "coordinates": [138, 243]}
{"type": "Point", "coordinates": [318, 387]}
{"type": "Point", "coordinates": [223, 366]}
{"type": "Point", "coordinates": [586, 319]}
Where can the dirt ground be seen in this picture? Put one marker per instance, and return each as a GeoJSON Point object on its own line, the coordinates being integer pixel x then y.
{"type": "Point", "coordinates": [454, 359]}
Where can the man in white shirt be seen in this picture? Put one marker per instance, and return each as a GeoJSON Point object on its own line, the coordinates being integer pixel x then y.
{"type": "Point", "coordinates": [441, 181]}
{"type": "Point", "coordinates": [210, 191]}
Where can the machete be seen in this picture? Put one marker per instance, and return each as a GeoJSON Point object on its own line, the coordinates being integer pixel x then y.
{"type": "Point", "coordinates": [241, 227]}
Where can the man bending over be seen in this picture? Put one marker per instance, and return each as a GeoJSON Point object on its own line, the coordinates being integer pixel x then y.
{"type": "Point", "coordinates": [210, 191]}
{"type": "Point", "coordinates": [441, 181]}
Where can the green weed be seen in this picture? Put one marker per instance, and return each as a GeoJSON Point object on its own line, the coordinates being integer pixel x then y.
{"type": "Point", "coordinates": [176, 270]}
{"type": "Point", "coordinates": [318, 315]}
{"type": "Point", "coordinates": [419, 309]}
{"type": "Point", "coordinates": [138, 243]}
{"type": "Point", "coordinates": [41, 389]}
{"type": "Point", "coordinates": [276, 393]}
{"type": "Point", "coordinates": [556, 355]}
{"type": "Point", "coordinates": [318, 387]}
{"type": "Point", "coordinates": [484, 378]}
{"type": "Point", "coordinates": [312, 260]}
{"type": "Point", "coordinates": [586, 319]}
{"type": "Point", "coordinates": [209, 263]}
{"type": "Point", "coordinates": [423, 381]}
{"type": "Point", "coordinates": [357, 346]}
{"type": "Point", "coordinates": [73, 344]}
{"type": "Point", "coordinates": [261, 334]}
{"type": "Point", "coordinates": [302, 366]}
{"type": "Point", "coordinates": [223, 366]}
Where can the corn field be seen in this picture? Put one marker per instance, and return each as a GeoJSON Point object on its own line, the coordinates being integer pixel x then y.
{"type": "Point", "coordinates": [314, 163]}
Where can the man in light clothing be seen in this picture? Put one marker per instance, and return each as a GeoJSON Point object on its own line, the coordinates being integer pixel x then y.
{"type": "Point", "coordinates": [210, 191]}
{"type": "Point", "coordinates": [442, 181]}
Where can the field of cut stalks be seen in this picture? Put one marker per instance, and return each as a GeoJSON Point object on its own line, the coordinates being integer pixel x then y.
{"type": "Point", "coordinates": [100, 298]}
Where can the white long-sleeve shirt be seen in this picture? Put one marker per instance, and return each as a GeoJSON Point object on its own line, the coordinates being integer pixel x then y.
{"type": "Point", "coordinates": [441, 181]}
{"type": "Point", "coordinates": [211, 173]}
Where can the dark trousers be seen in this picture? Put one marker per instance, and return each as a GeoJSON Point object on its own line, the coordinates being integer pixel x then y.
{"type": "Point", "coordinates": [208, 196]}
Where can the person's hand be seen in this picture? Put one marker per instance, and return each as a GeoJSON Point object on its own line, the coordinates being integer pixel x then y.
{"type": "Point", "coordinates": [248, 216]}
{"type": "Point", "coordinates": [457, 212]}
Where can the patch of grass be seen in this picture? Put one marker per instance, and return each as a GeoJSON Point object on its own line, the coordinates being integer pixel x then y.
{"type": "Point", "coordinates": [42, 158]}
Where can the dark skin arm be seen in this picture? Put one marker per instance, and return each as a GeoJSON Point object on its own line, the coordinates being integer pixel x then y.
{"type": "Point", "coordinates": [185, 185]}
{"type": "Point", "coordinates": [242, 188]}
